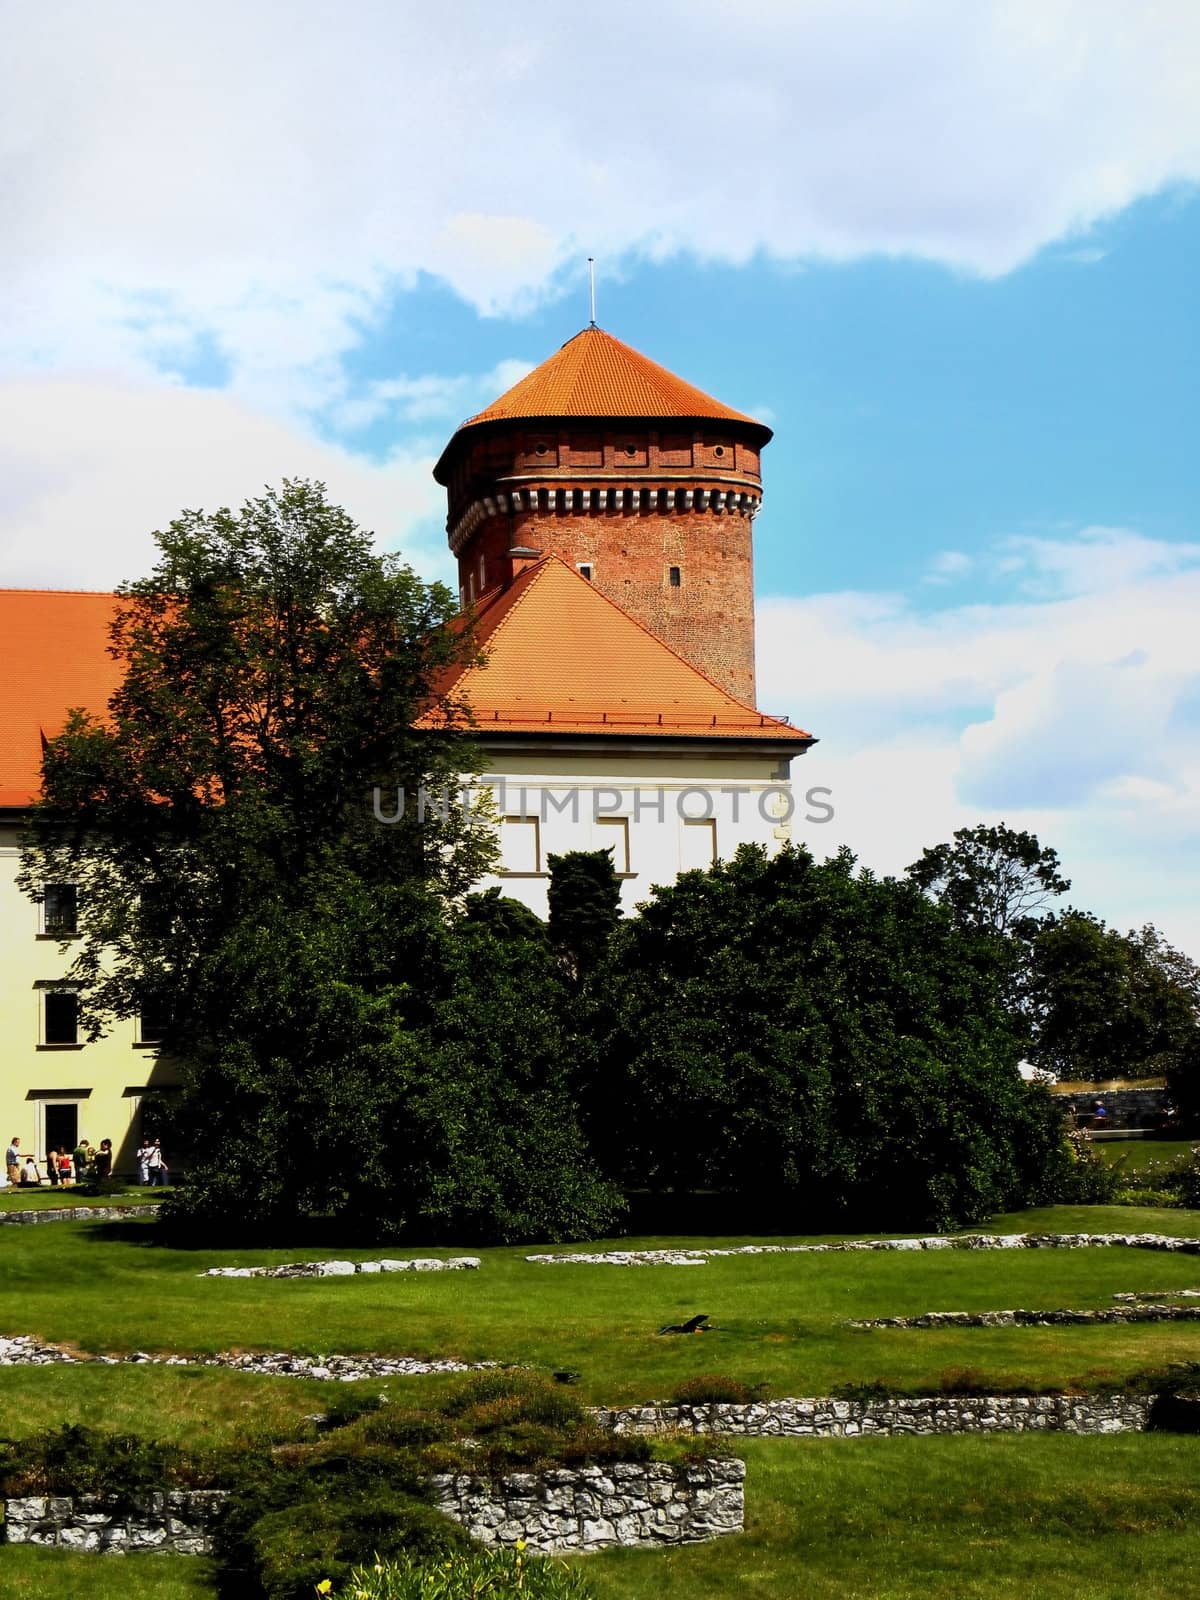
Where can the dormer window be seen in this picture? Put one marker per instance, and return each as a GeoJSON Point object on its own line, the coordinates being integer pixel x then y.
{"type": "Point", "coordinates": [584, 569]}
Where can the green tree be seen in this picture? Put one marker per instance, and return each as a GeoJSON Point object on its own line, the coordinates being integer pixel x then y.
{"type": "Point", "coordinates": [1106, 1004]}
{"type": "Point", "coordinates": [275, 667]}
{"type": "Point", "coordinates": [823, 1044]}
{"type": "Point", "coordinates": [585, 907]}
{"type": "Point", "coordinates": [369, 1059]}
{"type": "Point", "coordinates": [992, 879]}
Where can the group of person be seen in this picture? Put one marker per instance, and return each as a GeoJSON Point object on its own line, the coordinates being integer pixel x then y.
{"type": "Point", "coordinates": [84, 1164]}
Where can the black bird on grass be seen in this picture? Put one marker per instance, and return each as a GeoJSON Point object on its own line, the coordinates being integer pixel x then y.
{"type": "Point", "coordinates": [692, 1325]}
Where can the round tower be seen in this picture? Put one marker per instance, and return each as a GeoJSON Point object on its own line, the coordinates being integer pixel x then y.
{"type": "Point", "coordinates": [642, 482]}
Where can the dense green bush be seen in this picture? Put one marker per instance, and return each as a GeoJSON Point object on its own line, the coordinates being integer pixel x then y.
{"type": "Point", "coordinates": [435, 1047]}
{"type": "Point", "coordinates": [1088, 1180]}
{"type": "Point", "coordinates": [75, 1459]}
{"type": "Point", "coordinates": [313, 1509]}
{"type": "Point", "coordinates": [480, 1575]}
{"type": "Point", "coordinates": [820, 1045]}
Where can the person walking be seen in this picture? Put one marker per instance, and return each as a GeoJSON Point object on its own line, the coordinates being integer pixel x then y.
{"type": "Point", "coordinates": [80, 1161]}
{"type": "Point", "coordinates": [12, 1161]}
{"type": "Point", "coordinates": [143, 1161]}
{"type": "Point", "coordinates": [158, 1167]}
{"type": "Point", "coordinates": [104, 1160]}
{"type": "Point", "coordinates": [52, 1166]}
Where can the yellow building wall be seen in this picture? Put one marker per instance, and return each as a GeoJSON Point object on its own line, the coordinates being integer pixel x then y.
{"type": "Point", "coordinates": [40, 1084]}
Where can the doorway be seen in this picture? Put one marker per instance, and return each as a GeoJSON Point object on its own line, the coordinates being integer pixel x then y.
{"type": "Point", "coordinates": [62, 1125]}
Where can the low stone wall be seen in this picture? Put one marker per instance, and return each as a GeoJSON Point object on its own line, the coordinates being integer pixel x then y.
{"type": "Point", "coordinates": [1036, 1319]}
{"type": "Point", "coordinates": [963, 1241]}
{"type": "Point", "coordinates": [20, 1350]}
{"type": "Point", "coordinates": [589, 1508]}
{"type": "Point", "coordinates": [847, 1419]}
{"type": "Point", "coordinates": [179, 1519]}
{"type": "Point", "coordinates": [348, 1269]}
{"type": "Point", "coordinates": [76, 1214]}
{"type": "Point", "coordinates": [1139, 1107]}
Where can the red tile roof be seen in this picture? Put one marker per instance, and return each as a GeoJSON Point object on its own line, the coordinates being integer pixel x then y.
{"type": "Point", "coordinates": [596, 376]}
{"type": "Point", "coordinates": [53, 657]}
{"type": "Point", "coordinates": [563, 658]}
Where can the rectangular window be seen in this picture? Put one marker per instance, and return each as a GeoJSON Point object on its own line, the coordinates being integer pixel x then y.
{"type": "Point", "coordinates": [152, 1020]}
{"type": "Point", "coordinates": [60, 1018]}
{"type": "Point", "coordinates": [60, 909]}
{"type": "Point", "coordinates": [585, 570]}
{"type": "Point", "coordinates": [698, 844]}
{"type": "Point", "coordinates": [613, 833]}
{"type": "Point", "coordinates": [675, 577]}
{"type": "Point", "coordinates": [520, 847]}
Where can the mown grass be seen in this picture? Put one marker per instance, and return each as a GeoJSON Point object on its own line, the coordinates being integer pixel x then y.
{"type": "Point", "coordinates": [1006, 1518]}
{"type": "Point", "coordinates": [1041, 1517]}
{"type": "Point", "coordinates": [1009, 1518]}
{"type": "Point", "coordinates": [30, 1574]}
{"type": "Point", "coordinates": [1136, 1154]}
{"type": "Point", "coordinates": [778, 1320]}
{"type": "Point", "coordinates": [50, 1199]}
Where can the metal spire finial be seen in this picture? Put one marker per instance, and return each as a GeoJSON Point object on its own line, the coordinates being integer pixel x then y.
{"type": "Point", "coordinates": [592, 287]}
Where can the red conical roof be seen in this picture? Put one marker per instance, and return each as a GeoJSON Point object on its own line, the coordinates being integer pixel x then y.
{"type": "Point", "coordinates": [596, 376]}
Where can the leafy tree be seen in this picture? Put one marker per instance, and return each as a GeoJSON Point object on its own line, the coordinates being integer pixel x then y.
{"type": "Point", "coordinates": [993, 879]}
{"type": "Point", "coordinates": [274, 667]}
{"type": "Point", "coordinates": [585, 907]}
{"type": "Point", "coordinates": [825, 1044]}
{"type": "Point", "coordinates": [1106, 1004]}
{"type": "Point", "coordinates": [351, 1042]}
{"type": "Point", "coordinates": [370, 1060]}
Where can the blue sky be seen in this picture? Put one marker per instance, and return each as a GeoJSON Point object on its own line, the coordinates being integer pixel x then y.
{"type": "Point", "coordinates": [947, 252]}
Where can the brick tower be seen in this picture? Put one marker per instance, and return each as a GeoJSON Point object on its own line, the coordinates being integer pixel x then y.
{"type": "Point", "coordinates": [643, 483]}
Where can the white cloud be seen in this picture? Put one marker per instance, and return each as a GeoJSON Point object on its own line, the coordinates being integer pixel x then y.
{"type": "Point", "coordinates": [432, 398]}
{"type": "Point", "coordinates": [1098, 560]}
{"type": "Point", "coordinates": [262, 176]}
{"type": "Point", "coordinates": [1072, 715]}
{"type": "Point", "coordinates": [948, 566]}
{"type": "Point", "coordinates": [89, 468]}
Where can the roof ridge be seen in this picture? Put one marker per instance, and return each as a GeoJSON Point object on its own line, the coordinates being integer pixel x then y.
{"type": "Point", "coordinates": [95, 594]}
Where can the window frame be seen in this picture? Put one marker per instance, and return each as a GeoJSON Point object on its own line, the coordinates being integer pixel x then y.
{"type": "Point", "coordinates": [52, 930]}
{"type": "Point", "coordinates": [47, 990]}
{"type": "Point", "coordinates": [623, 844]}
{"type": "Point", "coordinates": [517, 872]}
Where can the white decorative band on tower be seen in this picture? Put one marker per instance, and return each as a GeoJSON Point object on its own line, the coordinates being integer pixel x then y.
{"type": "Point", "coordinates": [611, 499]}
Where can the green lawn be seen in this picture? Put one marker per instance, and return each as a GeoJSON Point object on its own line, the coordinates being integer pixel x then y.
{"type": "Point", "coordinates": [1032, 1518]}
{"type": "Point", "coordinates": [29, 1574]}
{"type": "Point", "coordinates": [778, 1320]}
{"type": "Point", "coordinates": [48, 1199]}
{"type": "Point", "coordinates": [1134, 1154]}
{"type": "Point", "coordinates": [1038, 1518]}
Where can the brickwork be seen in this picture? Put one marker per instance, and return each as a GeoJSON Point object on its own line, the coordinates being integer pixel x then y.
{"type": "Point", "coordinates": [661, 520]}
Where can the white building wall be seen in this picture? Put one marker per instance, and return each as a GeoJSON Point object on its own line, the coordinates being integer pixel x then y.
{"type": "Point", "coordinates": [660, 814]}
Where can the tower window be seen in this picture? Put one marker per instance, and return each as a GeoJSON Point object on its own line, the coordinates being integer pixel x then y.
{"type": "Point", "coordinates": [631, 449]}
{"type": "Point", "coordinates": [541, 449]}
{"type": "Point", "coordinates": [585, 570]}
{"type": "Point", "coordinates": [675, 576]}
{"type": "Point", "coordinates": [720, 450]}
